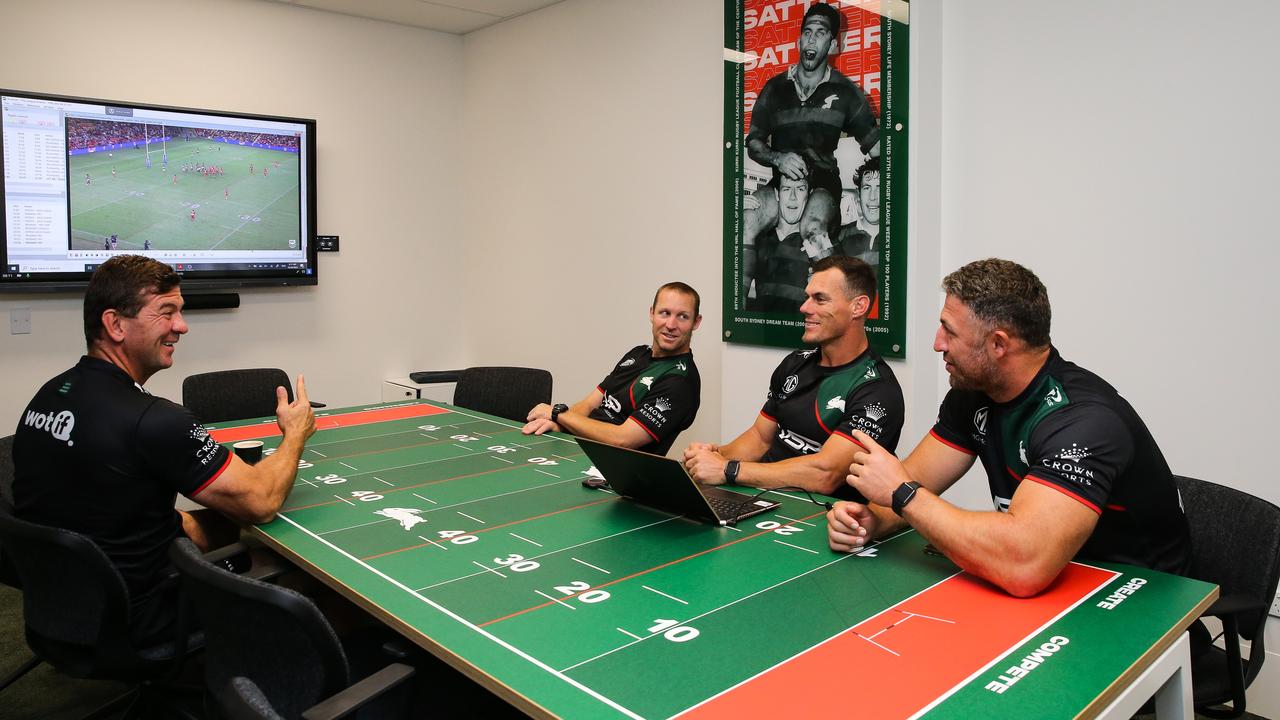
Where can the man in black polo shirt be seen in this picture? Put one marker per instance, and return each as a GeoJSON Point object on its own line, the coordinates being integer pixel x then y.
{"type": "Point", "coordinates": [653, 393]}
{"type": "Point", "coordinates": [1073, 470]}
{"type": "Point", "coordinates": [95, 453]}
{"type": "Point", "coordinates": [804, 437]}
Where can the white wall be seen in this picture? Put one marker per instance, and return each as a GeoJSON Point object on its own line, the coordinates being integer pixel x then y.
{"type": "Point", "coordinates": [382, 306]}
{"type": "Point", "coordinates": [592, 134]}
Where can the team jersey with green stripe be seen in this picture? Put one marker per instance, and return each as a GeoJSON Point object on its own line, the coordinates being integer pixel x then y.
{"type": "Point", "coordinates": [1071, 431]}
{"type": "Point", "coordinates": [810, 403]}
{"type": "Point", "coordinates": [660, 394]}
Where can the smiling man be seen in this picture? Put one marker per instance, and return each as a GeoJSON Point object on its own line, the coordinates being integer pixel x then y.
{"type": "Point", "coordinates": [818, 398]}
{"type": "Point", "coordinates": [97, 454]}
{"type": "Point", "coordinates": [653, 393]}
{"type": "Point", "coordinates": [1072, 469]}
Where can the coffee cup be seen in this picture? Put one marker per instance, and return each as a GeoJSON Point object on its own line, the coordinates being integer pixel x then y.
{"type": "Point", "coordinates": [249, 451]}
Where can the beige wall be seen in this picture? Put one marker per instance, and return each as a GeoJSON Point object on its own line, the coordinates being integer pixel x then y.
{"type": "Point", "coordinates": [385, 98]}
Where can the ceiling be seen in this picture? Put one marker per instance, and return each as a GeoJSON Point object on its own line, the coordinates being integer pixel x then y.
{"type": "Point", "coordinates": [451, 16]}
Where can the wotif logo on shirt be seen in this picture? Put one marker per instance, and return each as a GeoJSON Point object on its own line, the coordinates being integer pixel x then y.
{"type": "Point", "coordinates": [59, 426]}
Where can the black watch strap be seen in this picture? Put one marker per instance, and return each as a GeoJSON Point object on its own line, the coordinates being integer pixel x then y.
{"type": "Point", "coordinates": [557, 409]}
{"type": "Point", "coordinates": [905, 493]}
{"type": "Point", "coordinates": [731, 471]}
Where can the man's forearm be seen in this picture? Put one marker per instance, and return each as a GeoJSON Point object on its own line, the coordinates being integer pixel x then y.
{"type": "Point", "coordinates": [806, 472]}
{"type": "Point", "coordinates": [583, 426]}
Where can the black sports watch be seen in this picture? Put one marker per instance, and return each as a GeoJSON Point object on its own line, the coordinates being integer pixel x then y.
{"type": "Point", "coordinates": [903, 495]}
{"type": "Point", "coordinates": [731, 471]}
{"type": "Point", "coordinates": [557, 409]}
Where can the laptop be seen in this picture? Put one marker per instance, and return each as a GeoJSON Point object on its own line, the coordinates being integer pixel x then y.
{"type": "Point", "coordinates": [663, 483]}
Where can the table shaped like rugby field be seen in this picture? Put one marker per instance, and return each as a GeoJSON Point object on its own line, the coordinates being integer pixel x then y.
{"type": "Point", "coordinates": [482, 545]}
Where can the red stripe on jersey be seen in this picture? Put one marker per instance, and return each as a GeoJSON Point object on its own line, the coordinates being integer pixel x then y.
{"type": "Point", "coordinates": [950, 444]}
{"type": "Point", "coordinates": [766, 417]}
{"type": "Point", "coordinates": [848, 437]}
{"type": "Point", "coordinates": [1064, 491]}
{"type": "Point", "coordinates": [1118, 508]}
{"type": "Point", "coordinates": [1014, 474]}
{"type": "Point", "coordinates": [216, 475]}
{"type": "Point", "coordinates": [818, 417]}
{"type": "Point", "coordinates": [633, 419]}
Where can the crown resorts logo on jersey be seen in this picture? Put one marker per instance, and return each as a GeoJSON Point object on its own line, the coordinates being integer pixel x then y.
{"type": "Point", "coordinates": [1067, 464]}
{"type": "Point", "coordinates": [1075, 453]}
{"type": "Point", "coordinates": [59, 425]}
{"type": "Point", "coordinates": [663, 404]}
{"type": "Point", "coordinates": [875, 411]}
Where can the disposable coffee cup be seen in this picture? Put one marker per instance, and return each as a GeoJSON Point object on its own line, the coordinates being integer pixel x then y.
{"type": "Point", "coordinates": [249, 451]}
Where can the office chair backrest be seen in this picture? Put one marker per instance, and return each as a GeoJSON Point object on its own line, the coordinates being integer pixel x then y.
{"type": "Point", "coordinates": [234, 394]}
{"type": "Point", "coordinates": [74, 601]}
{"type": "Point", "coordinates": [6, 474]}
{"type": "Point", "coordinates": [1235, 543]}
{"type": "Point", "coordinates": [508, 392]}
{"type": "Point", "coordinates": [272, 635]}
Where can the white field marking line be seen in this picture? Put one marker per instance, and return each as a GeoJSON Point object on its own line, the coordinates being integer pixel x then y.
{"type": "Point", "coordinates": [471, 626]}
{"type": "Point", "coordinates": [429, 437]}
{"type": "Point", "coordinates": [349, 467]}
{"type": "Point", "coordinates": [552, 552]}
{"type": "Point", "coordinates": [490, 497]}
{"type": "Point", "coordinates": [563, 458]}
{"type": "Point", "coordinates": [509, 462]}
{"type": "Point", "coordinates": [522, 447]}
{"type": "Point", "coordinates": [384, 482]}
{"type": "Point", "coordinates": [557, 601]}
{"type": "Point", "coordinates": [433, 502]}
{"type": "Point", "coordinates": [524, 539]}
{"type": "Point", "coordinates": [873, 642]}
{"type": "Point", "coordinates": [426, 539]}
{"type": "Point", "coordinates": [414, 431]}
{"type": "Point", "coordinates": [928, 617]}
{"type": "Point", "coordinates": [712, 610]}
{"type": "Point", "coordinates": [624, 632]}
{"type": "Point", "coordinates": [815, 552]}
{"type": "Point", "coordinates": [353, 527]}
{"type": "Point", "coordinates": [345, 500]}
{"type": "Point", "coordinates": [734, 528]}
{"type": "Point", "coordinates": [544, 472]}
{"type": "Point", "coordinates": [673, 597]}
{"type": "Point", "coordinates": [304, 481]}
{"type": "Point", "coordinates": [1000, 655]}
{"type": "Point", "coordinates": [318, 453]}
{"type": "Point", "coordinates": [495, 572]}
{"type": "Point", "coordinates": [790, 519]}
{"type": "Point", "coordinates": [252, 213]}
{"type": "Point", "coordinates": [470, 517]}
{"type": "Point", "coordinates": [487, 437]}
{"type": "Point", "coordinates": [593, 567]}
{"type": "Point", "coordinates": [464, 447]}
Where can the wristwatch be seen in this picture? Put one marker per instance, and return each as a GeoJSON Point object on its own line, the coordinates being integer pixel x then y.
{"type": "Point", "coordinates": [557, 409]}
{"type": "Point", "coordinates": [731, 471]}
{"type": "Point", "coordinates": [903, 495]}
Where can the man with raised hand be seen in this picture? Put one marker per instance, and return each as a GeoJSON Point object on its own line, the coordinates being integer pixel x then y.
{"type": "Point", "coordinates": [1073, 470]}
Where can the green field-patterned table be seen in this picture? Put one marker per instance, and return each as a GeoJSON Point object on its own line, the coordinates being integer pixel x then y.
{"type": "Point", "coordinates": [482, 545]}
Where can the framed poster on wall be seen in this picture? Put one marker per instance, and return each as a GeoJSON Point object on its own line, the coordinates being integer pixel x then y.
{"type": "Point", "coordinates": [815, 137]}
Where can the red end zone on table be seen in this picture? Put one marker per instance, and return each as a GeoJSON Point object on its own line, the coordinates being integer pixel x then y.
{"type": "Point", "coordinates": [327, 422]}
{"type": "Point", "coordinates": [938, 638]}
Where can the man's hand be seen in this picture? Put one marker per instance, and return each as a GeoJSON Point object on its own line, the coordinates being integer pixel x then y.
{"type": "Point", "coordinates": [705, 464]}
{"type": "Point", "coordinates": [537, 426]}
{"type": "Point", "coordinates": [850, 526]}
{"type": "Point", "coordinates": [541, 411]}
{"type": "Point", "coordinates": [297, 417]}
{"type": "Point", "coordinates": [875, 472]}
{"type": "Point", "coordinates": [790, 164]}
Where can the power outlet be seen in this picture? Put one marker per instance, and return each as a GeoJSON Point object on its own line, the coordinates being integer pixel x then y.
{"type": "Point", "coordinates": [1275, 606]}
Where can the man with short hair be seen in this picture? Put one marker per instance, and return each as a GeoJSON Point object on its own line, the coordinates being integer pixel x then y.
{"type": "Point", "coordinates": [797, 122]}
{"type": "Point", "coordinates": [654, 391]}
{"type": "Point", "coordinates": [1073, 470]}
{"type": "Point", "coordinates": [818, 399]}
{"type": "Point", "coordinates": [858, 238]}
{"type": "Point", "coordinates": [96, 454]}
{"type": "Point", "coordinates": [786, 261]}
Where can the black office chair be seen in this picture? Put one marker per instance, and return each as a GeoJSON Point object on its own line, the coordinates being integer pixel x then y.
{"type": "Point", "coordinates": [235, 394]}
{"type": "Point", "coordinates": [8, 575]}
{"type": "Point", "coordinates": [508, 392]}
{"type": "Point", "coordinates": [270, 650]}
{"type": "Point", "coordinates": [1235, 543]}
{"type": "Point", "coordinates": [76, 611]}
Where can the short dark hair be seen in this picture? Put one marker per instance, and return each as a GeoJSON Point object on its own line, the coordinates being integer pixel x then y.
{"type": "Point", "coordinates": [1004, 294]}
{"type": "Point", "coordinates": [825, 12]}
{"type": "Point", "coordinates": [871, 165]}
{"type": "Point", "coordinates": [120, 284]}
{"type": "Point", "coordinates": [859, 278]}
{"type": "Point", "coordinates": [680, 288]}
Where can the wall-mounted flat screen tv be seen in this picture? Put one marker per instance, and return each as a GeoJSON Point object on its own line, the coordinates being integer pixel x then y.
{"type": "Point", "coordinates": [228, 199]}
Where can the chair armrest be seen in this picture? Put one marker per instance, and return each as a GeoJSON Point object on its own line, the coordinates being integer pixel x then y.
{"type": "Point", "coordinates": [218, 555]}
{"type": "Point", "coordinates": [347, 701]}
{"type": "Point", "coordinates": [1233, 604]}
{"type": "Point", "coordinates": [426, 377]}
